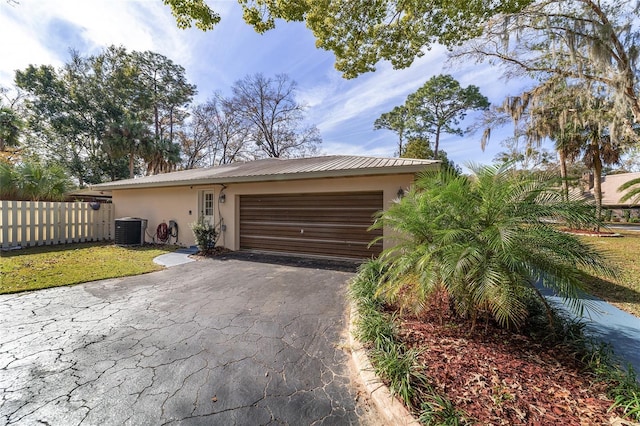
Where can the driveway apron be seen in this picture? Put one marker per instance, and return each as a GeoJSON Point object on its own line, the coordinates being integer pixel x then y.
{"type": "Point", "coordinates": [211, 342]}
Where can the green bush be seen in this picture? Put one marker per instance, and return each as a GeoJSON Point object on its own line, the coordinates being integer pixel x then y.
{"type": "Point", "coordinates": [485, 239]}
{"type": "Point", "coordinates": [401, 369]}
{"type": "Point", "coordinates": [630, 404]}
{"type": "Point", "coordinates": [364, 286]}
{"type": "Point", "coordinates": [205, 235]}
{"type": "Point", "coordinates": [626, 394]}
{"type": "Point", "coordinates": [439, 410]}
{"type": "Point", "coordinates": [600, 360]}
{"type": "Point", "coordinates": [626, 214]}
{"type": "Point", "coordinates": [33, 181]}
{"type": "Point", "coordinates": [374, 328]}
{"type": "Point", "coordinates": [391, 361]}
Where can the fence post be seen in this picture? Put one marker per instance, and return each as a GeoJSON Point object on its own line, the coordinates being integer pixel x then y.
{"type": "Point", "coordinates": [83, 219]}
{"type": "Point", "coordinates": [4, 223]}
{"type": "Point", "coordinates": [14, 224]}
{"type": "Point", "coordinates": [33, 237]}
{"type": "Point", "coordinates": [49, 218]}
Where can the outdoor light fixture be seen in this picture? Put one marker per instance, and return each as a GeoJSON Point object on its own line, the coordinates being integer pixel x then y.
{"type": "Point", "coordinates": [400, 192]}
{"type": "Point", "coordinates": [222, 198]}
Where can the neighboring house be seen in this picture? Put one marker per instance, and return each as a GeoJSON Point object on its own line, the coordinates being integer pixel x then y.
{"type": "Point", "coordinates": [318, 206]}
{"type": "Point", "coordinates": [610, 194]}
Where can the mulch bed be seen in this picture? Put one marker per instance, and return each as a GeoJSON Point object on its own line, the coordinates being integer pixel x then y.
{"type": "Point", "coordinates": [214, 252]}
{"type": "Point", "coordinates": [502, 378]}
{"type": "Point", "coordinates": [591, 233]}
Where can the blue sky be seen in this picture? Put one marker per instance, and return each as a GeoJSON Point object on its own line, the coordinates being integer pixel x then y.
{"type": "Point", "coordinates": [42, 32]}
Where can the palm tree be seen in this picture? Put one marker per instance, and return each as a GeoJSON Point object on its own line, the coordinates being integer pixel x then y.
{"type": "Point", "coordinates": [566, 146]}
{"type": "Point", "coordinates": [37, 182]}
{"type": "Point", "coordinates": [594, 147]}
{"type": "Point", "coordinates": [486, 241]}
{"type": "Point", "coordinates": [10, 127]}
{"type": "Point", "coordinates": [162, 157]}
{"type": "Point", "coordinates": [8, 189]}
{"type": "Point", "coordinates": [581, 123]}
{"type": "Point", "coordinates": [130, 138]}
{"type": "Point", "coordinates": [599, 151]}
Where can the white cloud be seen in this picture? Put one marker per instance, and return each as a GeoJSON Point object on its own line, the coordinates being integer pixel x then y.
{"type": "Point", "coordinates": [375, 93]}
{"type": "Point", "coordinates": [345, 110]}
{"type": "Point", "coordinates": [20, 43]}
{"type": "Point", "coordinates": [42, 31]}
{"type": "Point", "coordinates": [345, 148]}
{"type": "Point", "coordinates": [39, 30]}
{"type": "Point", "coordinates": [102, 23]}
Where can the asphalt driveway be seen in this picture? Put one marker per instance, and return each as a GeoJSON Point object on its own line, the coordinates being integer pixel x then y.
{"type": "Point", "coordinates": [211, 342]}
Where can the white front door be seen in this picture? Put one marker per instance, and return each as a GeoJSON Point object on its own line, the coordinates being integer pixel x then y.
{"type": "Point", "coordinates": [207, 204]}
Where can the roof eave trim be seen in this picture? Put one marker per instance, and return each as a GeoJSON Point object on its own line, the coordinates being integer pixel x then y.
{"type": "Point", "coordinates": [373, 171]}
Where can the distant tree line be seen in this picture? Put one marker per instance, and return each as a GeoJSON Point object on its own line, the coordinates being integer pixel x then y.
{"type": "Point", "coordinates": [120, 114]}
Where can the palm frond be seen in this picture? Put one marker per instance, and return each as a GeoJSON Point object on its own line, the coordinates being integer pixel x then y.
{"type": "Point", "coordinates": [634, 194]}
{"type": "Point", "coordinates": [487, 239]}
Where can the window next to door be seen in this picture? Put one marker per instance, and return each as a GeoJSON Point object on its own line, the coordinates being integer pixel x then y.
{"type": "Point", "coordinates": [207, 206]}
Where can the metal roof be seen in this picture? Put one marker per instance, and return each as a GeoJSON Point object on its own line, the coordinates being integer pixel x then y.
{"type": "Point", "coordinates": [273, 169]}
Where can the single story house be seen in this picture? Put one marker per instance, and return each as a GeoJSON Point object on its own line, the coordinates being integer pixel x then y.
{"type": "Point", "coordinates": [312, 206]}
{"type": "Point", "coordinates": [611, 196]}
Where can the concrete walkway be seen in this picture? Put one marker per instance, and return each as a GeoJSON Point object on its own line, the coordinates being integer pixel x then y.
{"type": "Point", "coordinates": [608, 324]}
{"type": "Point", "coordinates": [178, 257]}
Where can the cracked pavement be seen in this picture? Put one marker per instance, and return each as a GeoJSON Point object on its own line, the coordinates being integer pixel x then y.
{"type": "Point", "coordinates": [218, 341]}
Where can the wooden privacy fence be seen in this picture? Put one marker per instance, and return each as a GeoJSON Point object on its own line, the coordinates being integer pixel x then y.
{"type": "Point", "coordinates": [33, 223]}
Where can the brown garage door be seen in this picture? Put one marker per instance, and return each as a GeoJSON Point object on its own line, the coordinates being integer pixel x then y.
{"type": "Point", "coordinates": [320, 224]}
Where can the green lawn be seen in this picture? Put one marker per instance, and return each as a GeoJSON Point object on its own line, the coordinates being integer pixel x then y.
{"type": "Point", "coordinates": [52, 266]}
{"type": "Point", "coordinates": [625, 254]}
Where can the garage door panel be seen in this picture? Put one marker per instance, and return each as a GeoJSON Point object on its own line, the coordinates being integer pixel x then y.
{"type": "Point", "coordinates": [343, 234]}
{"type": "Point", "coordinates": [336, 213]}
{"type": "Point", "coordinates": [306, 210]}
{"type": "Point", "coordinates": [329, 224]}
{"type": "Point", "coordinates": [324, 248]}
{"type": "Point", "coordinates": [303, 200]}
{"type": "Point", "coordinates": [302, 227]}
{"type": "Point", "coordinates": [309, 217]}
